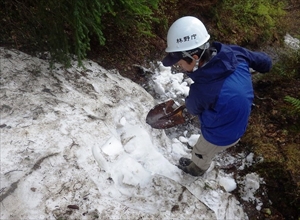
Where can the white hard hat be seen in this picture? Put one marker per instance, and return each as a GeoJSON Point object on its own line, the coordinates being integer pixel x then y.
{"type": "Point", "coordinates": [186, 33]}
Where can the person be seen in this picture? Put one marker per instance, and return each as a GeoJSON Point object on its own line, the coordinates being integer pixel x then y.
{"type": "Point", "coordinates": [221, 94]}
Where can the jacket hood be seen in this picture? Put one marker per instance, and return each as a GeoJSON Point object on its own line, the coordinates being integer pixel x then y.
{"type": "Point", "coordinates": [218, 68]}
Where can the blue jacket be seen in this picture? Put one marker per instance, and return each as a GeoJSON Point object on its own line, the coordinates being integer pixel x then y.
{"type": "Point", "coordinates": [222, 93]}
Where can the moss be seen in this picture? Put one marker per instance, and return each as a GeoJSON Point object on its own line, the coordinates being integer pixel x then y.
{"type": "Point", "coordinates": [247, 20]}
{"type": "Point", "coordinates": [292, 152]}
{"type": "Point", "coordinates": [281, 190]}
{"type": "Point", "coordinates": [273, 134]}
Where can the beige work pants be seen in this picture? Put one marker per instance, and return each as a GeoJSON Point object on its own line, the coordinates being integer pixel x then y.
{"type": "Point", "coordinates": [204, 152]}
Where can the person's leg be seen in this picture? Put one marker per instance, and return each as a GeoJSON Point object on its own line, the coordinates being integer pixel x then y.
{"type": "Point", "coordinates": [204, 151]}
{"type": "Point", "coordinates": [202, 155]}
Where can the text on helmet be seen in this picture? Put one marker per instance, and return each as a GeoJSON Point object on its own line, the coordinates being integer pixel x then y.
{"type": "Point", "coordinates": [186, 38]}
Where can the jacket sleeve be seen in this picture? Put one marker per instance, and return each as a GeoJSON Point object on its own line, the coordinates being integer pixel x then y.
{"type": "Point", "coordinates": [258, 61]}
{"type": "Point", "coordinates": [191, 106]}
{"type": "Point", "coordinates": [202, 97]}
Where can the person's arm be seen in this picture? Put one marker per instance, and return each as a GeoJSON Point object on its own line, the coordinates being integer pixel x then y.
{"type": "Point", "coordinates": [191, 106]}
{"type": "Point", "coordinates": [258, 61]}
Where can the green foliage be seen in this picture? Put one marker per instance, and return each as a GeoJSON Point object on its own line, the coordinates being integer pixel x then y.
{"type": "Point", "coordinates": [287, 72]}
{"type": "Point", "coordinates": [249, 21]}
{"type": "Point", "coordinates": [133, 13]}
{"type": "Point", "coordinates": [295, 103]}
{"type": "Point", "coordinates": [66, 27]}
{"type": "Point", "coordinates": [288, 65]}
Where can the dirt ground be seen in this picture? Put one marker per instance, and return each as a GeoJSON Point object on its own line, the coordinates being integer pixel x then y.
{"type": "Point", "coordinates": [273, 133]}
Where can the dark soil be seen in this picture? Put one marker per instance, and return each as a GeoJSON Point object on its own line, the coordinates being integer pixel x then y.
{"type": "Point", "coordinates": [273, 133]}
